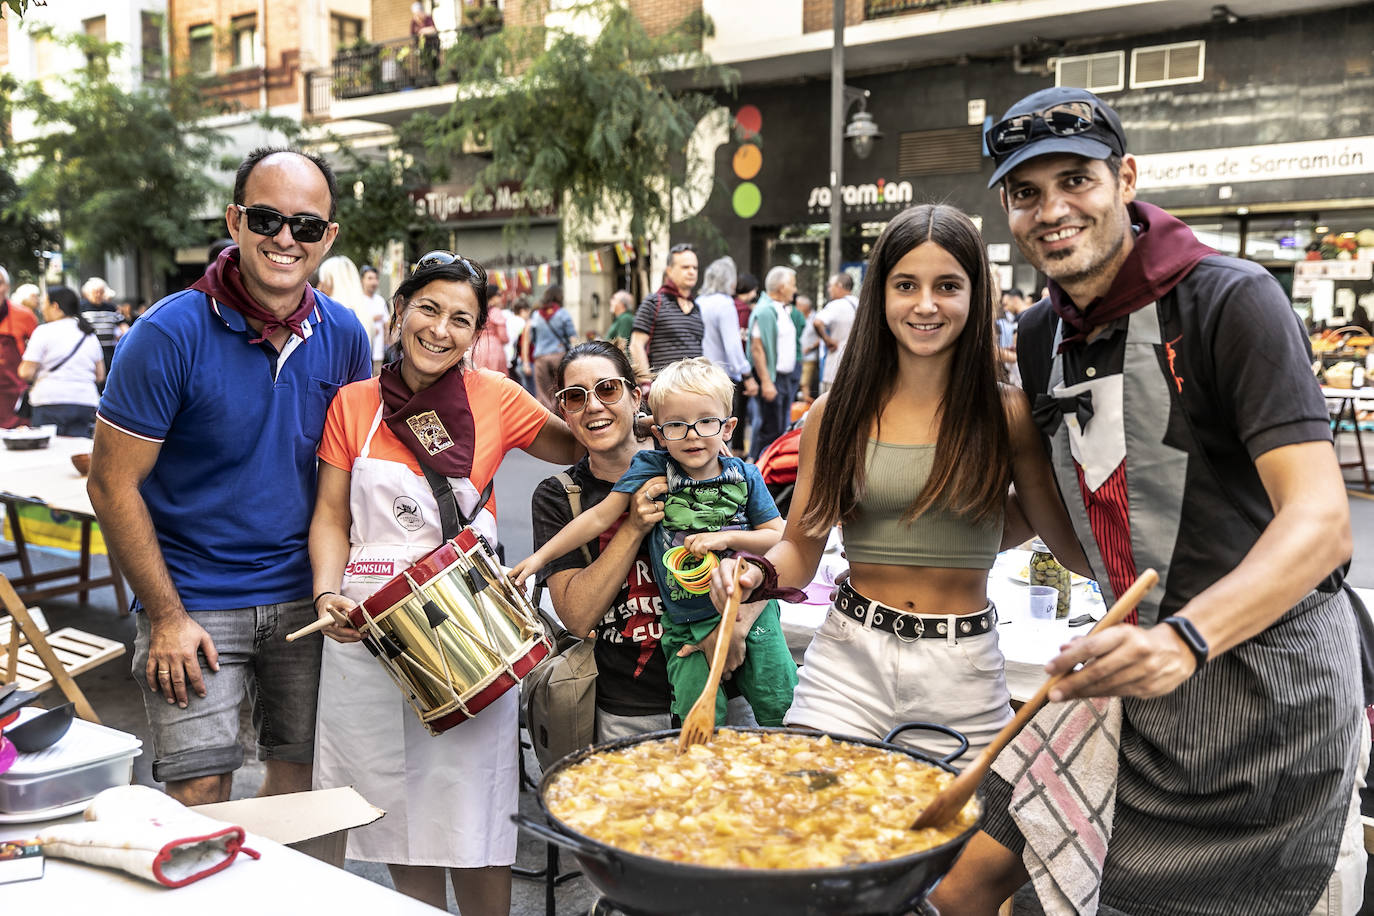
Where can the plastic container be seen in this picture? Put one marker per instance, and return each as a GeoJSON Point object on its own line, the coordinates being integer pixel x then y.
{"type": "Point", "coordinates": [89, 759]}
{"type": "Point", "coordinates": [1046, 570]}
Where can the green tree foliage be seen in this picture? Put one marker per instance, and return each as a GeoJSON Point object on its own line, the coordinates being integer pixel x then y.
{"type": "Point", "coordinates": [375, 185]}
{"type": "Point", "coordinates": [20, 235]}
{"type": "Point", "coordinates": [118, 169]}
{"type": "Point", "coordinates": [19, 7]}
{"type": "Point", "coordinates": [597, 121]}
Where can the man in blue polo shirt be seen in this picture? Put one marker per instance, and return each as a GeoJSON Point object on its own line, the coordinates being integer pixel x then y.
{"type": "Point", "coordinates": [203, 478]}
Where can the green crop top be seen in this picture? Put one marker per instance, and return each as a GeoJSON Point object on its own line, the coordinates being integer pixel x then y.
{"type": "Point", "coordinates": [895, 475]}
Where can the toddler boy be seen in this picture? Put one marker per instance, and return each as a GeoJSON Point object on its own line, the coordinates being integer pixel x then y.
{"type": "Point", "coordinates": [714, 503]}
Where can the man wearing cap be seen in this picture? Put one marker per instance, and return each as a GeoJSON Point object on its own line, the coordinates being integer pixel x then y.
{"type": "Point", "coordinates": [1174, 390]}
{"type": "Point", "coordinates": [203, 478]}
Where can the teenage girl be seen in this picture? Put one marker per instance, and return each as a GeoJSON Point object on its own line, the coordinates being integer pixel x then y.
{"type": "Point", "coordinates": [912, 451]}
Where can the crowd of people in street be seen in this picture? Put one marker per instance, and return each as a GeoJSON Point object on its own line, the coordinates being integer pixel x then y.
{"type": "Point", "coordinates": [942, 420]}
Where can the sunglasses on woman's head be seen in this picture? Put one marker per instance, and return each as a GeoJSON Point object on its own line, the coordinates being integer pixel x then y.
{"type": "Point", "coordinates": [574, 398]}
{"type": "Point", "coordinates": [440, 258]}
{"type": "Point", "coordinates": [268, 222]}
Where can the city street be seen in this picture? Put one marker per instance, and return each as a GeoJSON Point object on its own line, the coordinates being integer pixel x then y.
{"type": "Point", "coordinates": [116, 697]}
{"type": "Point", "coordinates": [313, 270]}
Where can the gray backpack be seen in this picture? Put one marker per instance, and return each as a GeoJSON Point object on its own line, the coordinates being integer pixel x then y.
{"type": "Point", "coordinates": [559, 695]}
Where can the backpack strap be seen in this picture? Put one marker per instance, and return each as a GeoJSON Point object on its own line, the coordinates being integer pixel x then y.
{"type": "Point", "coordinates": [573, 491]}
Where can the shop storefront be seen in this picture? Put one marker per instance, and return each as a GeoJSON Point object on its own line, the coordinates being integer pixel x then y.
{"type": "Point", "coordinates": [523, 263]}
{"type": "Point", "coordinates": [1270, 156]}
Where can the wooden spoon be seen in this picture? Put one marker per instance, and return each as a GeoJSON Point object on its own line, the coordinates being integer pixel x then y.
{"type": "Point", "coordinates": [700, 723]}
{"type": "Point", "coordinates": [954, 796]}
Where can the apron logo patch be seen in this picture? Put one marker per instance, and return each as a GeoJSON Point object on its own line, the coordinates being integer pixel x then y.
{"type": "Point", "coordinates": [385, 568]}
{"type": "Point", "coordinates": [407, 513]}
{"type": "Point", "coordinates": [430, 431]}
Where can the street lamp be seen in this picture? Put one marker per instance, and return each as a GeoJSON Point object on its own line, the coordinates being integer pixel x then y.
{"type": "Point", "coordinates": [861, 131]}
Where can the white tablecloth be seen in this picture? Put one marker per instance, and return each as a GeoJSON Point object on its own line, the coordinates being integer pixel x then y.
{"type": "Point", "coordinates": [47, 475]}
{"type": "Point", "coordinates": [282, 881]}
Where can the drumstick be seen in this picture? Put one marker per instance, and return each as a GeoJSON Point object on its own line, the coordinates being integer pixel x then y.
{"type": "Point", "coordinates": [306, 630]}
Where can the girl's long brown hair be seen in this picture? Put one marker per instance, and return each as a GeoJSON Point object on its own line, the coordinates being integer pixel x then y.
{"type": "Point", "coordinates": [972, 465]}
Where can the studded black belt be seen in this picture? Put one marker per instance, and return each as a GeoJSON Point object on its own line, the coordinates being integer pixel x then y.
{"type": "Point", "coordinates": [909, 626]}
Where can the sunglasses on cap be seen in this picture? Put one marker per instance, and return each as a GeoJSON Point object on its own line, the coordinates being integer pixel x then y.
{"type": "Point", "coordinates": [574, 398]}
{"type": "Point", "coordinates": [268, 222]}
{"type": "Point", "coordinates": [1067, 119]}
{"type": "Point", "coordinates": [441, 258]}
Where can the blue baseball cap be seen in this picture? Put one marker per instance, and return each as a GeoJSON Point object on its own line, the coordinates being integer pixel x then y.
{"type": "Point", "coordinates": [1024, 132]}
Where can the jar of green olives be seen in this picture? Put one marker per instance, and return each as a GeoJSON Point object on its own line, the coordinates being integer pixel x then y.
{"type": "Point", "coordinates": [1046, 570]}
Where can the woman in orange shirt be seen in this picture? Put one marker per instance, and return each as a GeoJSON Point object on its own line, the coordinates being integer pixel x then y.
{"type": "Point", "coordinates": [448, 797]}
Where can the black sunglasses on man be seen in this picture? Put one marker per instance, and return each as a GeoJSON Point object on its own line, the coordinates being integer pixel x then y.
{"type": "Point", "coordinates": [268, 222]}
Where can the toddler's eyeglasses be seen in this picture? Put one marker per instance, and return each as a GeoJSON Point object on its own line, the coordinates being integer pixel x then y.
{"type": "Point", "coordinates": [706, 427]}
{"type": "Point", "coordinates": [574, 398]}
{"type": "Point", "coordinates": [439, 258]}
{"type": "Point", "coordinates": [268, 222]}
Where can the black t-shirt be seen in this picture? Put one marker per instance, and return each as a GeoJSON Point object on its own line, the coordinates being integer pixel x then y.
{"type": "Point", "coordinates": [673, 333]}
{"type": "Point", "coordinates": [632, 674]}
{"type": "Point", "coordinates": [1239, 366]}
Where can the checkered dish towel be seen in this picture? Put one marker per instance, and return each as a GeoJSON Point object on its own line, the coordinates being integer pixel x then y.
{"type": "Point", "coordinates": [1062, 770]}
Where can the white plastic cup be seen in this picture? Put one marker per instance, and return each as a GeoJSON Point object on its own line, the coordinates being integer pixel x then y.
{"type": "Point", "coordinates": [1042, 601]}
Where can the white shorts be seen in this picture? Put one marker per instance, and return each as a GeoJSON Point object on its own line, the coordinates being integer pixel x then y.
{"type": "Point", "coordinates": [863, 682]}
{"type": "Point", "coordinates": [1345, 890]}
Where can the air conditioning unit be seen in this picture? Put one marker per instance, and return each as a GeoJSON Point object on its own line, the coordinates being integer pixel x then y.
{"type": "Point", "coordinates": [1167, 65]}
{"type": "Point", "coordinates": [1095, 72]}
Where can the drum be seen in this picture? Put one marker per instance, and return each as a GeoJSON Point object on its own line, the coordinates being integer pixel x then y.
{"type": "Point", "coordinates": [453, 631]}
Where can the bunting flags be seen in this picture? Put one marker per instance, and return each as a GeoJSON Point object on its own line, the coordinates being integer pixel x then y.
{"type": "Point", "coordinates": [525, 279]}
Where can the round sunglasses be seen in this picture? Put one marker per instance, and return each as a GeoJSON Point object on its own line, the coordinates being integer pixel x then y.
{"type": "Point", "coordinates": [268, 222]}
{"type": "Point", "coordinates": [608, 391]}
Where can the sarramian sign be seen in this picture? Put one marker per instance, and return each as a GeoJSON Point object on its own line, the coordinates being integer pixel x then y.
{"type": "Point", "coordinates": [881, 193]}
{"type": "Point", "coordinates": [1275, 161]}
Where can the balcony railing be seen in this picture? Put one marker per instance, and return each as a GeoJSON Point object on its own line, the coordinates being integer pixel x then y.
{"type": "Point", "coordinates": [399, 64]}
{"type": "Point", "coordinates": [877, 9]}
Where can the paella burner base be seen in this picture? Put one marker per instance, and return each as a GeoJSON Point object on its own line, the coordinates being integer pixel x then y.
{"type": "Point", "coordinates": [604, 907]}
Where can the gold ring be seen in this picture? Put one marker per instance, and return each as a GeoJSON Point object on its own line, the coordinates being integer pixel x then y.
{"type": "Point", "coordinates": [164, 671]}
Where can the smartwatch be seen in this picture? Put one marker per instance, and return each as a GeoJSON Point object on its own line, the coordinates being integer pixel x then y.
{"type": "Point", "coordinates": [1191, 638]}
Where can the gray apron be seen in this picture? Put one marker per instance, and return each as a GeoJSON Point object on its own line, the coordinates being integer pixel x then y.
{"type": "Point", "coordinates": [1233, 789]}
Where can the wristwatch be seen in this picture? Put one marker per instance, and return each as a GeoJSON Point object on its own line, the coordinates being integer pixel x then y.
{"type": "Point", "coordinates": [1191, 638]}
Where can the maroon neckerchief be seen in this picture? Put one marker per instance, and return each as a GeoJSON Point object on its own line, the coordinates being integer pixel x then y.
{"type": "Point", "coordinates": [669, 288]}
{"type": "Point", "coordinates": [435, 423]}
{"type": "Point", "coordinates": [223, 283]}
{"type": "Point", "coordinates": [548, 311]}
{"type": "Point", "coordinates": [1165, 251]}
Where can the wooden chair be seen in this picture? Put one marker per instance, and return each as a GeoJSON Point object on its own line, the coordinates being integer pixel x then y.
{"type": "Point", "coordinates": [37, 660]}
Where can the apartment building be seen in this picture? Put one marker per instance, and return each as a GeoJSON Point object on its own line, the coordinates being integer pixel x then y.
{"type": "Point", "coordinates": [27, 54]}
{"type": "Point", "coordinates": [1253, 120]}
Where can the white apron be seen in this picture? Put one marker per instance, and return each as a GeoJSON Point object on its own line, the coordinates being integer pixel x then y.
{"type": "Point", "coordinates": [448, 798]}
